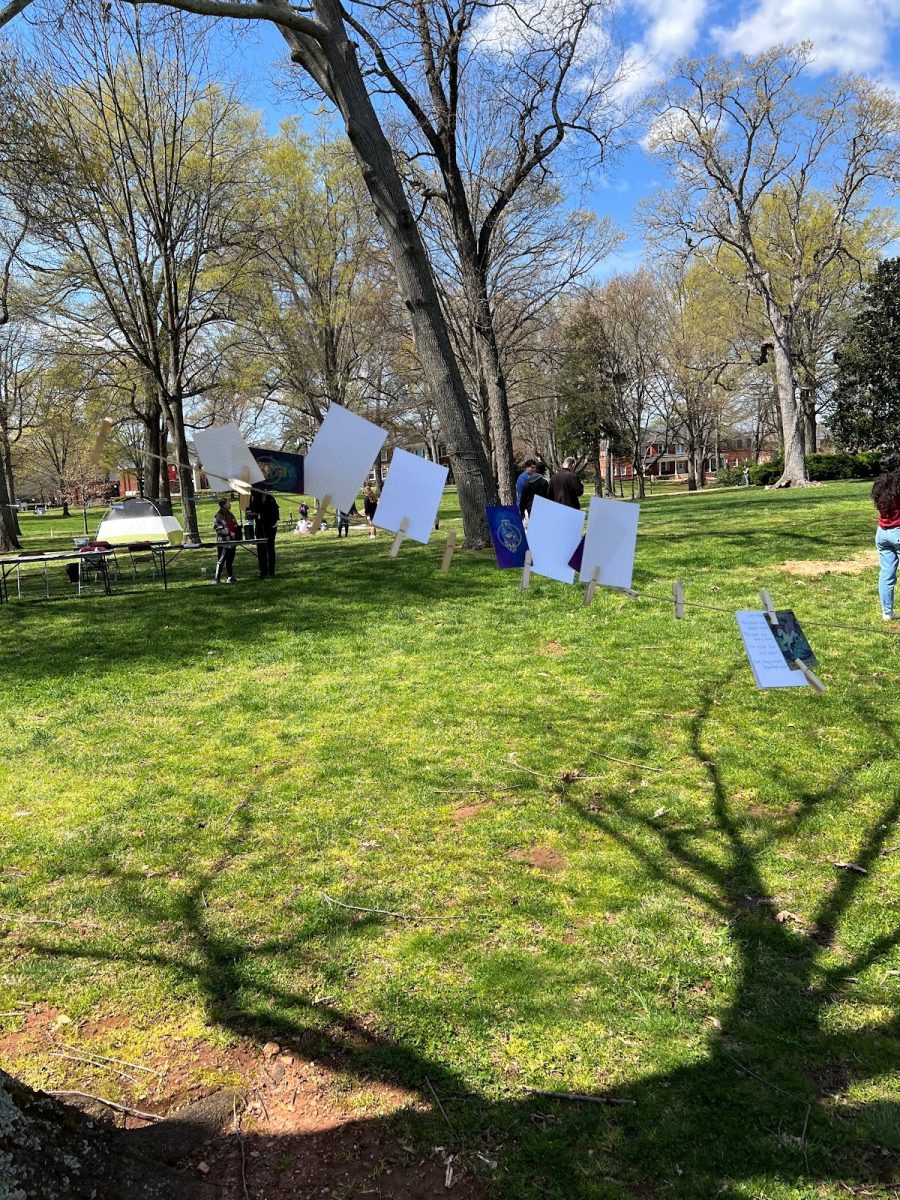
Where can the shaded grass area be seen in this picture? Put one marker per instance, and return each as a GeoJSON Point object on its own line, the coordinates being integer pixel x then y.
{"type": "Point", "coordinates": [195, 773]}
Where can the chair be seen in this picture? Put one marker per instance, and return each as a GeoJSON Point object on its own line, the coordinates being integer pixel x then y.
{"type": "Point", "coordinates": [43, 573]}
{"type": "Point", "coordinates": [95, 567]}
{"type": "Point", "coordinates": [140, 553]}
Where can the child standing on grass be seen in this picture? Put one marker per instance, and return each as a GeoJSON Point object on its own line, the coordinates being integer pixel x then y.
{"type": "Point", "coordinates": [227, 533]}
{"type": "Point", "coordinates": [886, 495]}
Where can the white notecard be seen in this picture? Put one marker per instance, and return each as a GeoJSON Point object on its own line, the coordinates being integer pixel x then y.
{"type": "Point", "coordinates": [610, 541]}
{"type": "Point", "coordinates": [554, 531]}
{"type": "Point", "coordinates": [766, 660]}
{"type": "Point", "coordinates": [341, 457]}
{"type": "Point", "coordinates": [224, 456]}
{"type": "Point", "coordinates": [413, 488]}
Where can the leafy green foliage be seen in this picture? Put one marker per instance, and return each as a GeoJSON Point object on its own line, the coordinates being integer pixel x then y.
{"type": "Point", "coordinates": [865, 413]}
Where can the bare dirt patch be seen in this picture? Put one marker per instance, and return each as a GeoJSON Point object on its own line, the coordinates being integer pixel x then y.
{"type": "Point", "coordinates": [467, 811]}
{"type": "Point", "coordinates": [540, 857]}
{"type": "Point", "coordinates": [553, 648]}
{"type": "Point", "coordinates": [847, 566]}
{"type": "Point", "coordinates": [297, 1128]}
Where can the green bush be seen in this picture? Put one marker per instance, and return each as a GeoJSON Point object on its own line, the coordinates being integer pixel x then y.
{"type": "Point", "coordinates": [821, 467]}
{"type": "Point", "coordinates": [730, 477]}
{"type": "Point", "coordinates": [762, 474]}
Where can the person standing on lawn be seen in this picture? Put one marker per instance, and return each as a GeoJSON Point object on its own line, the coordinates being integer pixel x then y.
{"type": "Point", "coordinates": [227, 533]}
{"type": "Point", "coordinates": [886, 496]}
{"type": "Point", "coordinates": [263, 508]}
{"type": "Point", "coordinates": [565, 486]}
{"type": "Point", "coordinates": [370, 503]}
{"type": "Point", "coordinates": [343, 523]}
{"type": "Point", "coordinates": [529, 466]}
{"type": "Point", "coordinates": [537, 485]}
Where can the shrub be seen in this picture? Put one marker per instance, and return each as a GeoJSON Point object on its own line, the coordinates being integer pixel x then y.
{"type": "Point", "coordinates": [821, 467]}
{"type": "Point", "coordinates": [730, 477]}
{"type": "Point", "coordinates": [762, 474]}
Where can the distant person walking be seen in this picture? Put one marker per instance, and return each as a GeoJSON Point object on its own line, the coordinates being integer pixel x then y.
{"type": "Point", "coordinates": [537, 485]}
{"type": "Point", "coordinates": [746, 477]}
{"type": "Point", "coordinates": [528, 470]}
{"type": "Point", "coordinates": [370, 503]}
{"type": "Point", "coordinates": [227, 532]}
{"type": "Point", "coordinates": [264, 511]}
{"type": "Point", "coordinates": [565, 486]}
{"type": "Point", "coordinates": [886, 496]}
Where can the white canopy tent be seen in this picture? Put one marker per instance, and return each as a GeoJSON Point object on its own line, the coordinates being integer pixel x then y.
{"type": "Point", "coordinates": [138, 520]}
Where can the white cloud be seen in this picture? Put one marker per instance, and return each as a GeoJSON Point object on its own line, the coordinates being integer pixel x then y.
{"type": "Point", "coordinates": [671, 28]}
{"type": "Point", "coordinates": [848, 35]}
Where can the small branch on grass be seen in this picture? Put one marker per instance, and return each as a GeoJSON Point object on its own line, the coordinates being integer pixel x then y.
{"type": "Point", "coordinates": [381, 912]}
{"type": "Point", "coordinates": [103, 1058]}
{"type": "Point", "coordinates": [122, 1108]}
{"type": "Point", "coordinates": [46, 921]}
{"type": "Point", "coordinates": [437, 1101]}
{"type": "Point", "coordinates": [240, 1136]}
{"type": "Point", "coordinates": [92, 1062]}
{"type": "Point", "coordinates": [572, 777]}
{"type": "Point", "coordinates": [580, 1098]}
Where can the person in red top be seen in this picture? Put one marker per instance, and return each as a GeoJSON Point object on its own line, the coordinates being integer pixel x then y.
{"type": "Point", "coordinates": [886, 496]}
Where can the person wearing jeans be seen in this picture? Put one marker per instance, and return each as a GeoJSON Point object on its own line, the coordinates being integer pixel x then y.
{"type": "Point", "coordinates": [886, 496]}
{"type": "Point", "coordinates": [227, 533]}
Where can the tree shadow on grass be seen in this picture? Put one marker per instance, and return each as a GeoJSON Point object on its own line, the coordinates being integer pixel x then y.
{"type": "Point", "coordinates": [769, 1104]}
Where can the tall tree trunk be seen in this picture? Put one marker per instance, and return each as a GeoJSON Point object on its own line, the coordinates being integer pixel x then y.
{"type": "Point", "coordinates": [172, 406]}
{"type": "Point", "coordinates": [794, 473]}
{"type": "Point", "coordinates": [9, 530]}
{"type": "Point", "coordinates": [336, 69]}
{"type": "Point", "coordinates": [808, 408]}
{"type": "Point", "coordinates": [494, 377]}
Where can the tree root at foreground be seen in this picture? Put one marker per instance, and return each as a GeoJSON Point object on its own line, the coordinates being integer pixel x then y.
{"type": "Point", "coordinates": [53, 1151]}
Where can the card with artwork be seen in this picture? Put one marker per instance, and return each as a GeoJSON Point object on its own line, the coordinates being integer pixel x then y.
{"type": "Point", "coordinates": [413, 489]}
{"type": "Point", "coordinates": [610, 542]}
{"type": "Point", "coordinates": [507, 535]}
{"type": "Point", "coordinates": [283, 471]}
{"type": "Point", "coordinates": [341, 457]}
{"type": "Point", "coordinates": [792, 641]}
{"type": "Point", "coordinates": [766, 659]}
{"type": "Point", "coordinates": [554, 531]}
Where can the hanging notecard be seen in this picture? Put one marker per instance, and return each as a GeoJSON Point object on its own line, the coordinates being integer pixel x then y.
{"type": "Point", "coordinates": [341, 457]}
{"type": "Point", "coordinates": [225, 457]}
{"type": "Point", "coordinates": [610, 541]}
{"type": "Point", "coordinates": [554, 531]}
{"type": "Point", "coordinates": [766, 659]}
{"type": "Point", "coordinates": [413, 489]}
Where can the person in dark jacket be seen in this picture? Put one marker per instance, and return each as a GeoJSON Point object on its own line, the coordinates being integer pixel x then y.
{"type": "Point", "coordinates": [565, 486]}
{"type": "Point", "coordinates": [537, 485]}
{"type": "Point", "coordinates": [263, 509]}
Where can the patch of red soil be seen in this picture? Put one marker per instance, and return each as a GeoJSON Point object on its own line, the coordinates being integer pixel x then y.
{"type": "Point", "coordinates": [540, 857]}
{"type": "Point", "coordinates": [302, 1132]}
{"type": "Point", "coordinates": [467, 811]}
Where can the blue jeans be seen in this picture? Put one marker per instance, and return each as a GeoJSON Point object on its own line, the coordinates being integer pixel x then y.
{"type": "Point", "coordinates": [888, 543]}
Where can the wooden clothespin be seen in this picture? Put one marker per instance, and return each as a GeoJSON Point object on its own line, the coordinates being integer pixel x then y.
{"type": "Point", "coordinates": [320, 513]}
{"type": "Point", "coordinates": [449, 550]}
{"type": "Point", "coordinates": [399, 536]}
{"type": "Point", "coordinates": [813, 680]}
{"type": "Point", "coordinates": [526, 571]}
{"type": "Point", "coordinates": [678, 595]}
{"type": "Point", "coordinates": [242, 487]}
{"type": "Point", "coordinates": [102, 438]}
{"type": "Point", "coordinates": [592, 587]}
{"type": "Point", "coordinates": [771, 614]}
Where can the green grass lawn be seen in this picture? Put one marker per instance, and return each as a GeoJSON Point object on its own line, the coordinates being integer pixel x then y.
{"type": "Point", "coordinates": [189, 776]}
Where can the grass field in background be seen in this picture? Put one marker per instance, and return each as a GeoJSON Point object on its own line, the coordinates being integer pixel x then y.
{"type": "Point", "coordinates": [638, 899]}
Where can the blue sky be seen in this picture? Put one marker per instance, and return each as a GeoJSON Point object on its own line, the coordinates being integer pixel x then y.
{"type": "Point", "coordinates": [848, 35]}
